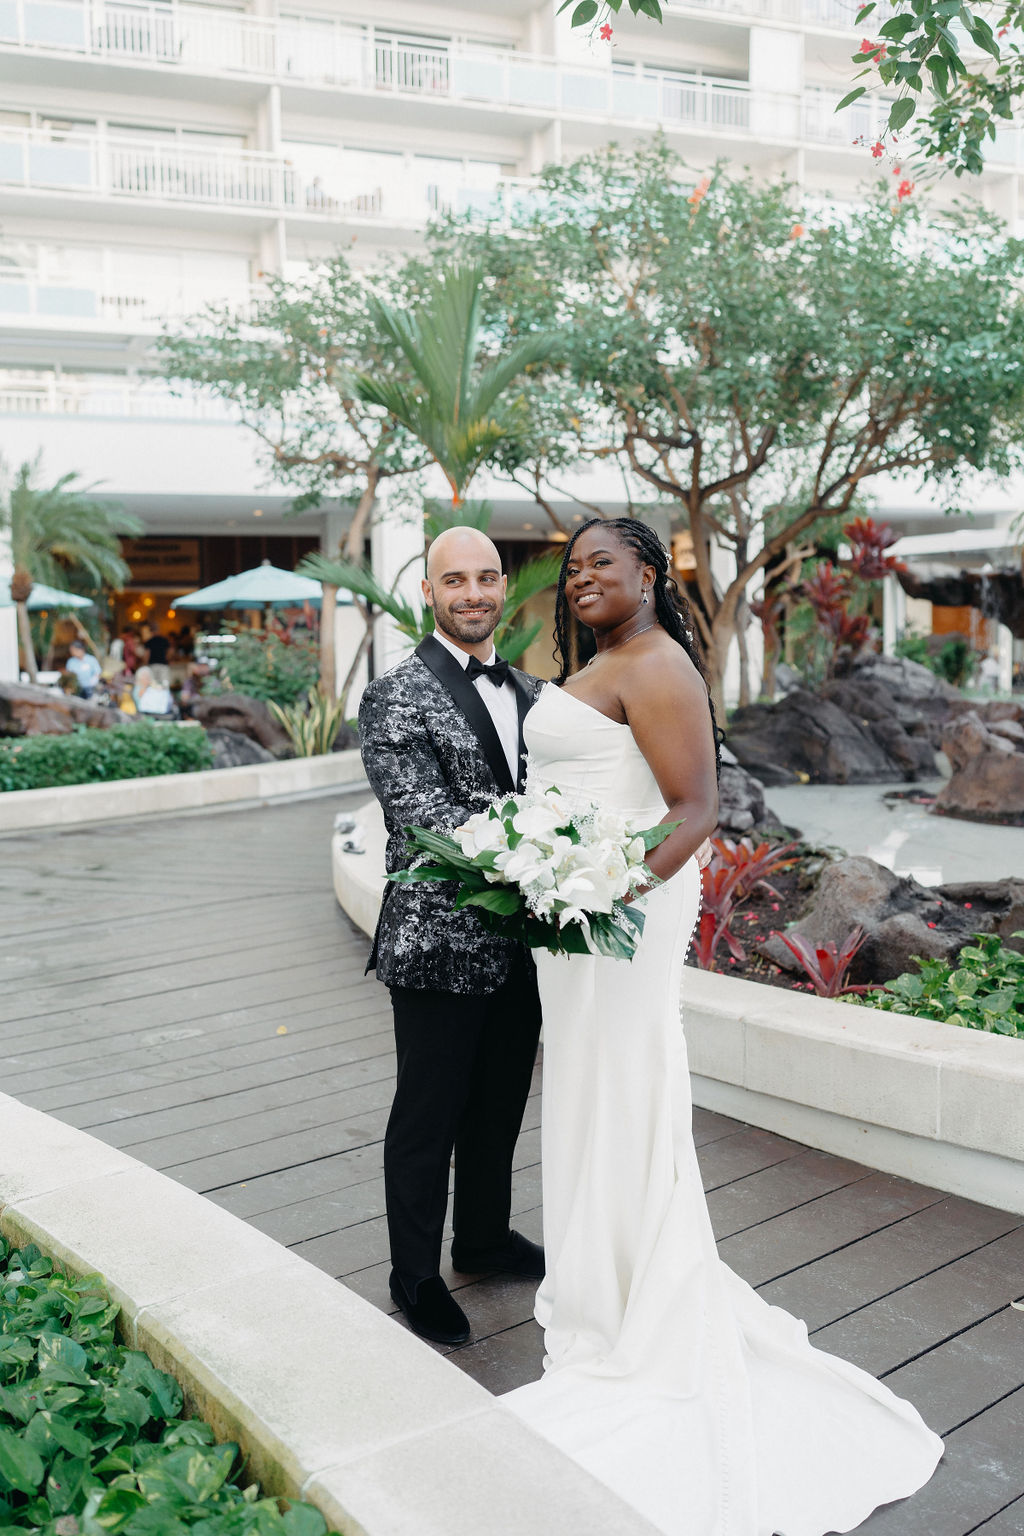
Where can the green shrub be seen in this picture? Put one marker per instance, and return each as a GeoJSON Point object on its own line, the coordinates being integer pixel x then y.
{"type": "Point", "coordinates": [984, 990]}
{"type": "Point", "coordinates": [135, 751]}
{"type": "Point", "coordinates": [266, 666]}
{"type": "Point", "coordinates": [91, 1438]}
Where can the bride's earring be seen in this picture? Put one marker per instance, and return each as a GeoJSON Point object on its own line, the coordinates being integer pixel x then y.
{"type": "Point", "coordinates": [645, 599]}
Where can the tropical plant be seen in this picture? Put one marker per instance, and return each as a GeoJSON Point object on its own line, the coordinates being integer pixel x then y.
{"type": "Point", "coordinates": [92, 1434]}
{"type": "Point", "coordinates": [735, 871]}
{"type": "Point", "coordinates": [136, 751]}
{"type": "Point", "coordinates": [265, 664]}
{"type": "Point", "coordinates": [287, 362]}
{"type": "Point", "coordinates": [313, 726]}
{"type": "Point", "coordinates": [827, 965]}
{"type": "Point", "coordinates": [56, 531]}
{"type": "Point", "coordinates": [449, 392]}
{"type": "Point", "coordinates": [983, 990]}
{"type": "Point", "coordinates": [725, 344]}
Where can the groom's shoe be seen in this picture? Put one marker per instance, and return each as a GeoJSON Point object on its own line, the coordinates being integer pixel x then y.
{"type": "Point", "coordinates": [431, 1311]}
{"type": "Point", "coordinates": [516, 1256]}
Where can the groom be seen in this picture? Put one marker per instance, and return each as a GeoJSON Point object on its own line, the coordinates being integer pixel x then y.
{"type": "Point", "coordinates": [441, 736]}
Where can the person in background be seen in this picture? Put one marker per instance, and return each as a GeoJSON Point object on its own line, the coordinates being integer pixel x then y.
{"type": "Point", "coordinates": [130, 636]}
{"type": "Point", "coordinates": [85, 668]}
{"type": "Point", "coordinates": [151, 697]}
{"type": "Point", "coordinates": [154, 652]}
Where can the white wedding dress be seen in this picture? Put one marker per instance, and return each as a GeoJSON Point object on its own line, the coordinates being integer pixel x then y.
{"type": "Point", "coordinates": [666, 1375]}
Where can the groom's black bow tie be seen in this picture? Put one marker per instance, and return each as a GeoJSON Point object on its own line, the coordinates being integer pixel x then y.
{"type": "Point", "coordinates": [496, 673]}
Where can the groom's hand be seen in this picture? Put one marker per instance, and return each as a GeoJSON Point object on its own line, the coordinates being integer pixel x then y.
{"type": "Point", "coordinates": [705, 853]}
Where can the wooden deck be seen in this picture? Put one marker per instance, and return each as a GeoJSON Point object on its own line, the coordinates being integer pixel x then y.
{"type": "Point", "coordinates": [188, 990]}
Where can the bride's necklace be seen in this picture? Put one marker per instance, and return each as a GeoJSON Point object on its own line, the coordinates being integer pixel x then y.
{"type": "Point", "coordinates": [624, 641]}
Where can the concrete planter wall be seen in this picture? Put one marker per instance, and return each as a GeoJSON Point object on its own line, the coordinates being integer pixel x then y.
{"type": "Point", "coordinates": [929, 1101]}
{"type": "Point", "coordinates": [329, 1399]}
{"type": "Point", "coordinates": [23, 810]}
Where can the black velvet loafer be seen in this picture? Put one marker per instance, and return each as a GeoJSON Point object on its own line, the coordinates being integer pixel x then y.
{"type": "Point", "coordinates": [517, 1256]}
{"type": "Point", "coordinates": [434, 1314]}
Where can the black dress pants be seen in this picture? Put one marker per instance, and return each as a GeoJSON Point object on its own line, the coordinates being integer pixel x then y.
{"type": "Point", "coordinates": [464, 1070]}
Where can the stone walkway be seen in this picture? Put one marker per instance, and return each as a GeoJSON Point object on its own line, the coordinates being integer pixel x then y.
{"type": "Point", "coordinates": [187, 989]}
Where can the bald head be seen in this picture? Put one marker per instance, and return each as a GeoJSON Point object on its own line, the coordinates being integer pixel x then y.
{"type": "Point", "coordinates": [465, 587]}
{"type": "Point", "coordinates": [460, 549]}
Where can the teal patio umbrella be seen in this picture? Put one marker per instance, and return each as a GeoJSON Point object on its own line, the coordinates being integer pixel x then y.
{"type": "Point", "coordinates": [265, 586]}
{"type": "Point", "coordinates": [43, 596]}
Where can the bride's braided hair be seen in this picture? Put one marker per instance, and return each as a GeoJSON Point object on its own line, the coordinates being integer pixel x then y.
{"type": "Point", "coordinates": [670, 606]}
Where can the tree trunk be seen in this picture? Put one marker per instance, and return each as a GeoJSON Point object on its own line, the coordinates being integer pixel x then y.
{"type": "Point", "coordinates": [364, 646]}
{"type": "Point", "coordinates": [742, 620]}
{"type": "Point", "coordinates": [28, 650]}
{"type": "Point", "coordinates": [328, 669]}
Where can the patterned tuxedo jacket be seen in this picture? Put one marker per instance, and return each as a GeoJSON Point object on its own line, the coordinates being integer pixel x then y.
{"type": "Point", "coordinates": [433, 758]}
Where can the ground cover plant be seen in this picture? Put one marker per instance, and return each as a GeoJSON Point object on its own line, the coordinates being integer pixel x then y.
{"type": "Point", "coordinates": [92, 1442]}
{"type": "Point", "coordinates": [266, 664]}
{"type": "Point", "coordinates": [136, 751]}
{"type": "Point", "coordinates": [983, 990]}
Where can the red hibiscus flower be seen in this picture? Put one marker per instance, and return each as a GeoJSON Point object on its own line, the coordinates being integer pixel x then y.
{"type": "Point", "coordinates": [904, 190]}
{"type": "Point", "coordinates": [606, 33]}
{"type": "Point", "coordinates": [878, 149]}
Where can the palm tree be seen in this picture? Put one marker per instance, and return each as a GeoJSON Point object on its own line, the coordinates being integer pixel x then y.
{"type": "Point", "coordinates": [449, 395]}
{"type": "Point", "coordinates": [55, 531]}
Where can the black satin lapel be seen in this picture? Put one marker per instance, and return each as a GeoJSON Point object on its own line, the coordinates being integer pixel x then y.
{"type": "Point", "coordinates": [525, 701]}
{"type": "Point", "coordinates": [448, 672]}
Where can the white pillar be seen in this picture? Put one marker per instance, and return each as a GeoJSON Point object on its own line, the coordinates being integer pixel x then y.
{"type": "Point", "coordinates": [894, 614]}
{"type": "Point", "coordinates": [1004, 655]}
{"type": "Point", "coordinates": [8, 621]}
{"type": "Point", "coordinates": [396, 549]}
{"type": "Point", "coordinates": [776, 74]}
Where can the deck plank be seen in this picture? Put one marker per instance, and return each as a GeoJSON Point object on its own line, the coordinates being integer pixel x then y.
{"type": "Point", "coordinates": [224, 1032]}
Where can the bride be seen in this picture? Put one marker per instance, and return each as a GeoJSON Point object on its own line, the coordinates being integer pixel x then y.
{"type": "Point", "coordinates": [666, 1376]}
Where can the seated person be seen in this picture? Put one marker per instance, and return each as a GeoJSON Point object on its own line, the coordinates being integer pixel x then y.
{"type": "Point", "coordinates": [85, 668]}
{"type": "Point", "coordinates": [151, 697]}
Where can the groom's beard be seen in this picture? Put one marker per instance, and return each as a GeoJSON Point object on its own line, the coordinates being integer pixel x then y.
{"type": "Point", "coordinates": [460, 626]}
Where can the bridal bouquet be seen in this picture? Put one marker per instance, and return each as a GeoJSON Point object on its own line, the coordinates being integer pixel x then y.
{"type": "Point", "coordinates": [549, 873]}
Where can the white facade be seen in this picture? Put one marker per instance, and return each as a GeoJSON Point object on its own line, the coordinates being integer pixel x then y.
{"type": "Point", "coordinates": [157, 156]}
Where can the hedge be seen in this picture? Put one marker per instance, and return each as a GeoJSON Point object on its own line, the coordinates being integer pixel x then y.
{"type": "Point", "coordinates": [95, 756]}
{"type": "Point", "coordinates": [92, 1442]}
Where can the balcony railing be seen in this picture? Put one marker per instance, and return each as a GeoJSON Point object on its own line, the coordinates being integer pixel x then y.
{"type": "Point", "coordinates": [25, 297]}
{"type": "Point", "coordinates": [50, 395]}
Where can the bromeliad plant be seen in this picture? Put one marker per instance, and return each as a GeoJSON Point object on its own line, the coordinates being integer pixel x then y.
{"type": "Point", "coordinates": [546, 871]}
{"type": "Point", "coordinates": [827, 965]}
{"type": "Point", "coordinates": [91, 1435]}
{"type": "Point", "coordinates": [736, 870]}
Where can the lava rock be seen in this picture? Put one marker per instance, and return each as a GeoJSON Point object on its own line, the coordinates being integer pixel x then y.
{"type": "Point", "coordinates": [26, 710]}
{"type": "Point", "coordinates": [988, 771]}
{"type": "Point", "coordinates": [995, 906]}
{"type": "Point", "coordinates": [246, 716]}
{"type": "Point", "coordinates": [808, 738]}
{"type": "Point", "coordinates": [233, 750]}
{"type": "Point", "coordinates": [741, 805]}
{"type": "Point", "coordinates": [900, 917]}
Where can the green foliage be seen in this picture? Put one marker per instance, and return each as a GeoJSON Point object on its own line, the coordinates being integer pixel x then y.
{"type": "Point", "coordinates": [287, 362]}
{"type": "Point", "coordinates": [956, 661]}
{"type": "Point", "coordinates": [313, 726]}
{"type": "Point", "coordinates": [722, 341]}
{"type": "Point", "coordinates": [137, 751]}
{"type": "Point", "coordinates": [267, 666]}
{"type": "Point", "coordinates": [62, 529]}
{"type": "Point", "coordinates": [447, 392]}
{"type": "Point", "coordinates": [984, 990]}
{"type": "Point", "coordinates": [91, 1438]}
{"type": "Point", "coordinates": [916, 57]}
{"type": "Point", "coordinates": [596, 12]}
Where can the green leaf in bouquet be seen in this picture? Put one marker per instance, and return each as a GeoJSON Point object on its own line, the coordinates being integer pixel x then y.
{"type": "Point", "coordinates": [570, 940]}
{"type": "Point", "coordinates": [632, 915]}
{"type": "Point", "coordinates": [657, 835]}
{"type": "Point", "coordinates": [609, 939]}
{"type": "Point", "coordinates": [425, 872]}
{"type": "Point", "coordinates": [496, 898]}
{"type": "Point", "coordinates": [509, 809]}
{"type": "Point", "coordinates": [439, 844]}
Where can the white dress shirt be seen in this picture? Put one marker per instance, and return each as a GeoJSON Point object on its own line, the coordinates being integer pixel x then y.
{"type": "Point", "coordinates": [500, 703]}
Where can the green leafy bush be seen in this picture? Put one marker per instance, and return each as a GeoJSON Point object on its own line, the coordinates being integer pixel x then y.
{"type": "Point", "coordinates": [955, 660]}
{"type": "Point", "coordinates": [267, 666]}
{"type": "Point", "coordinates": [135, 751]}
{"type": "Point", "coordinates": [984, 990]}
{"type": "Point", "coordinates": [91, 1438]}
